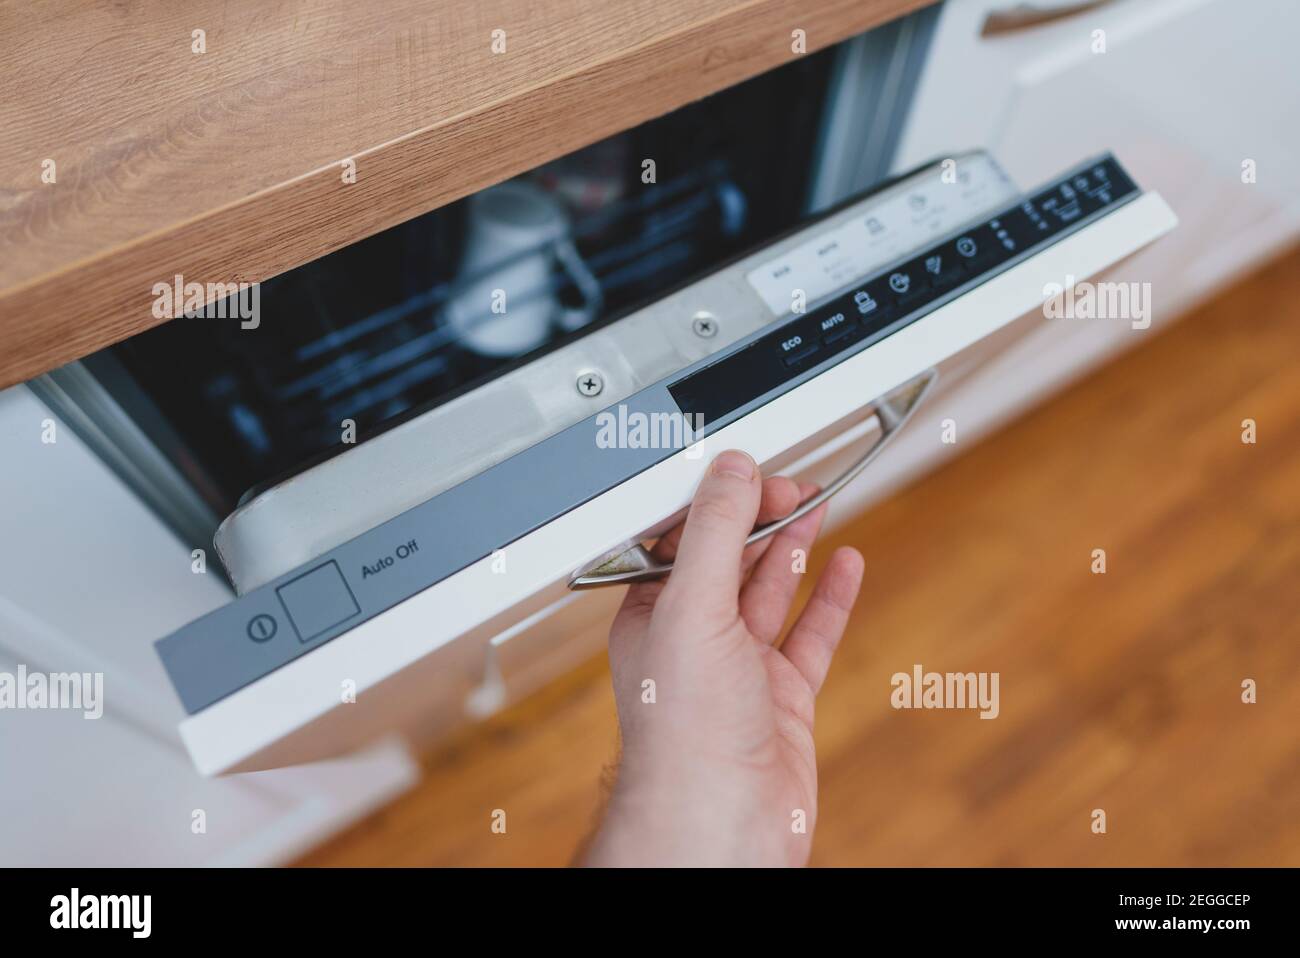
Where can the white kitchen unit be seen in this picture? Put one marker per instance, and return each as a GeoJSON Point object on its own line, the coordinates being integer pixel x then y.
{"type": "Point", "coordinates": [1186, 92]}
{"type": "Point", "coordinates": [86, 572]}
{"type": "Point", "coordinates": [872, 265]}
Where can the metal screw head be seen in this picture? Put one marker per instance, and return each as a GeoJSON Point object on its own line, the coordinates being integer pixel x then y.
{"type": "Point", "coordinates": [591, 384]}
{"type": "Point", "coordinates": [705, 325]}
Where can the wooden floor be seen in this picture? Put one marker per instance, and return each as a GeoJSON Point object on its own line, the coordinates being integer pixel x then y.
{"type": "Point", "coordinates": [1119, 691]}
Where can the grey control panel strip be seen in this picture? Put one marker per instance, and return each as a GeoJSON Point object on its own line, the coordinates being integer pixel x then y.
{"type": "Point", "coordinates": [235, 645]}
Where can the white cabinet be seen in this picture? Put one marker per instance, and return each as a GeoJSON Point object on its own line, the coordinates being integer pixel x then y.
{"type": "Point", "coordinates": [1184, 94]}
{"type": "Point", "coordinates": [88, 576]}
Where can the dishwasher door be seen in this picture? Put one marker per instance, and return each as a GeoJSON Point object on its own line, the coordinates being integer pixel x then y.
{"type": "Point", "coordinates": [385, 588]}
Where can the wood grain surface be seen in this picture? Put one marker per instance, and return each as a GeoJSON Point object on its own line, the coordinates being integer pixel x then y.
{"type": "Point", "coordinates": [226, 165]}
{"type": "Point", "coordinates": [1119, 691]}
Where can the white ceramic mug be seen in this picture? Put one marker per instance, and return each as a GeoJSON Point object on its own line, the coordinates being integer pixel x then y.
{"type": "Point", "coordinates": [513, 232]}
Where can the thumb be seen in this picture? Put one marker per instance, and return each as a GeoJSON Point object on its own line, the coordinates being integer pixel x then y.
{"type": "Point", "coordinates": [706, 573]}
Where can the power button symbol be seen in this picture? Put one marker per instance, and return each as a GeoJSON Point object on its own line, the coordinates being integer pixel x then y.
{"type": "Point", "coordinates": [261, 628]}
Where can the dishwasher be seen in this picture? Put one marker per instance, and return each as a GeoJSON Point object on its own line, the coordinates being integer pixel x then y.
{"type": "Point", "coordinates": [448, 434]}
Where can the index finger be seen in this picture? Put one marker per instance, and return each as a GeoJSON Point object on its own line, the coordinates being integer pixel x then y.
{"type": "Point", "coordinates": [707, 567]}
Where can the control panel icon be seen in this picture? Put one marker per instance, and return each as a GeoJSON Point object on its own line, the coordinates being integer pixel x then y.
{"type": "Point", "coordinates": [900, 282]}
{"type": "Point", "coordinates": [966, 246]}
{"type": "Point", "coordinates": [262, 628]}
{"type": "Point", "coordinates": [933, 264]}
{"type": "Point", "coordinates": [865, 303]}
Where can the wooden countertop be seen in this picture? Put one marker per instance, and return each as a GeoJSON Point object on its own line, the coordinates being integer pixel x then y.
{"type": "Point", "coordinates": [227, 165]}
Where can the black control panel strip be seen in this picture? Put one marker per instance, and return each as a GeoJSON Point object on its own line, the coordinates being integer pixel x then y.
{"type": "Point", "coordinates": [269, 627]}
{"type": "Point", "coordinates": [870, 308]}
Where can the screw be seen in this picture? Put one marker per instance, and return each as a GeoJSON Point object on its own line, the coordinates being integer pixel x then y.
{"type": "Point", "coordinates": [705, 326]}
{"type": "Point", "coordinates": [590, 384]}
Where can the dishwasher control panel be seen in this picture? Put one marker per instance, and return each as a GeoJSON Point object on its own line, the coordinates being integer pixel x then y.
{"type": "Point", "coordinates": [880, 304]}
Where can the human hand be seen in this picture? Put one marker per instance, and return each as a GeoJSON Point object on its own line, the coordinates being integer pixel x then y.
{"type": "Point", "coordinates": [717, 764]}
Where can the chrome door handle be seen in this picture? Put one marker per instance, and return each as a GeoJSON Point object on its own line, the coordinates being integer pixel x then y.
{"type": "Point", "coordinates": [892, 411]}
